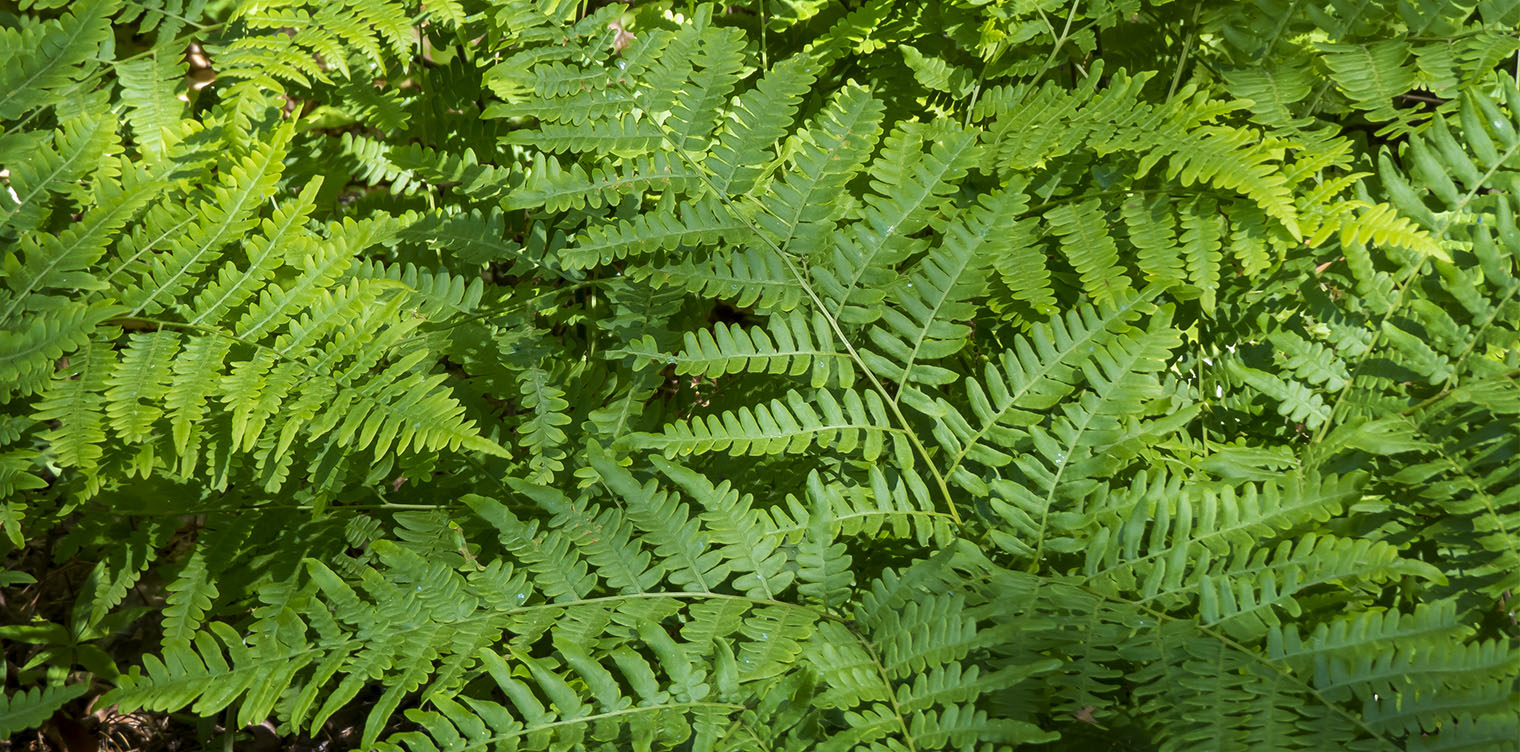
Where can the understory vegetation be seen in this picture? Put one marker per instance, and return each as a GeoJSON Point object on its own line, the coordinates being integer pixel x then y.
{"type": "Point", "coordinates": [420, 375]}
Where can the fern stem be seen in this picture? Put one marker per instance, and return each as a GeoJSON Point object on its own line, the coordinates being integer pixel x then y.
{"type": "Point", "coordinates": [1060, 41]}
{"type": "Point", "coordinates": [704, 174]}
{"type": "Point", "coordinates": [1187, 50]}
{"type": "Point", "coordinates": [886, 681]}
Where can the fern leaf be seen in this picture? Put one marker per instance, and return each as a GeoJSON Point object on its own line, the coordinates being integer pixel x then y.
{"type": "Point", "coordinates": [54, 164]}
{"type": "Point", "coordinates": [671, 227]}
{"type": "Point", "coordinates": [1234, 160]}
{"type": "Point", "coordinates": [1090, 249]}
{"type": "Point", "coordinates": [825, 157]}
{"type": "Point", "coordinates": [561, 574]}
{"type": "Point", "coordinates": [747, 277]}
{"type": "Point", "coordinates": [227, 212]}
{"type": "Point", "coordinates": [153, 110]}
{"type": "Point", "coordinates": [190, 596]}
{"type": "Point", "coordinates": [741, 531]}
{"type": "Point", "coordinates": [543, 434]}
{"type": "Point", "coordinates": [39, 59]}
{"type": "Point", "coordinates": [1202, 230]}
{"type": "Point", "coordinates": [716, 61]}
{"type": "Point", "coordinates": [1371, 75]}
{"type": "Point", "coordinates": [1150, 227]}
{"type": "Point", "coordinates": [790, 344]}
{"type": "Point", "coordinates": [791, 426]}
{"type": "Point", "coordinates": [760, 118]}
{"type": "Point", "coordinates": [65, 260]}
{"type": "Point", "coordinates": [139, 382]}
{"type": "Point", "coordinates": [678, 539]}
{"type": "Point", "coordinates": [29, 709]}
{"type": "Point", "coordinates": [1035, 374]}
{"type": "Point", "coordinates": [925, 322]}
{"type": "Point", "coordinates": [281, 241]}
{"type": "Point", "coordinates": [77, 401]}
{"type": "Point", "coordinates": [824, 574]}
{"type": "Point", "coordinates": [910, 191]}
{"type": "Point", "coordinates": [557, 188]}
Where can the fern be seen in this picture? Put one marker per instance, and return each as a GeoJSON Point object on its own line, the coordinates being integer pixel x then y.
{"type": "Point", "coordinates": [534, 374]}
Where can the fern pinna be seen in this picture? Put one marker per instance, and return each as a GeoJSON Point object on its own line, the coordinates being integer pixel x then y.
{"type": "Point", "coordinates": [535, 374]}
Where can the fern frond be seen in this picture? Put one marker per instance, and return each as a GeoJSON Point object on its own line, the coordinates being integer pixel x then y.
{"type": "Point", "coordinates": [54, 164]}
{"type": "Point", "coordinates": [1036, 373]}
{"type": "Point", "coordinates": [825, 156]}
{"type": "Point", "coordinates": [745, 277]}
{"type": "Point", "coordinates": [225, 213]}
{"type": "Point", "coordinates": [910, 191]}
{"type": "Point", "coordinates": [793, 425]}
{"type": "Point", "coordinates": [153, 110]}
{"type": "Point", "coordinates": [760, 117]}
{"type": "Point", "coordinates": [40, 58]}
{"type": "Point", "coordinates": [790, 344]}
{"type": "Point", "coordinates": [556, 188]}
{"type": "Point", "coordinates": [1090, 249]}
{"type": "Point", "coordinates": [31, 708]}
{"type": "Point", "coordinates": [932, 301]}
{"type": "Point", "coordinates": [673, 226]}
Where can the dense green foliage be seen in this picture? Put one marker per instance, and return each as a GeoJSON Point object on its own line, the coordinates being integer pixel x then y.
{"type": "Point", "coordinates": [782, 375]}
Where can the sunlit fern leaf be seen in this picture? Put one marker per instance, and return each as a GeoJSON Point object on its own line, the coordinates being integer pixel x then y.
{"type": "Point", "coordinates": [55, 162]}
{"type": "Point", "coordinates": [761, 116]}
{"type": "Point", "coordinates": [1151, 231]}
{"type": "Point", "coordinates": [1313, 362]}
{"type": "Point", "coordinates": [78, 404]}
{"type": "Point", "coordinates": [1236, 160]}
{"type": "Point", "coordinates": [603, 536]}
{"type": "Point", "coordinates": [47, 263]}
{"type": "Point", "coordinates": [1294, 400]}
{"type": "Point", "coordinates": [717, 63]}
{"type": "Point", "coordinates": [39, 59]}
{"type": "Point", "coordinates": [556, 187]}
{"type": "Point", "coordinates": [607, 137]}
{"type": "Point", "coordinates": [824, 157]}
{"type": "Point", "coordinates": [739, 529]}
{"type": "Point", "coordinates": [153, 110]}
{"type": "Point", "coordinates": [679, 540]}
{"type": "Point", "coordinates": [281, 242]}
{"type": "Point", "coordinates": [909, 190]}
{"type": "Point", "coordinates": [223, 213]}
{"type": "Point", "coordinates": [561, 573]}
{"type": "Point", "coordinates": [139, 382]}
{"type": "Point", "coordinates": [933, 299]}
{"type": "Point", "coordinates": [1036, 373]}
{"type": "Point", "coordinates": [1371, 75]}
{"type": "Point", "coordinates": [1084, 443]}
{"type": "Point", "coordinates": [792, 425]}
{"type": "Point", "coordinates": [792, 344]}
{"type": "Point", "coordinates": [1202, 232]}
{"type": "Point", "coordinates": [1273, 91]}
{"type": "Point", "coordinates": [745, 277]}
{"type": "Point", "coordinates": [824, 575]}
